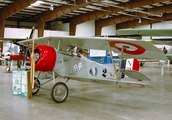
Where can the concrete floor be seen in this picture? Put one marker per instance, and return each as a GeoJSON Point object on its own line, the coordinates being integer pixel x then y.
{"type": "Point", "coordinates": [91, 101]}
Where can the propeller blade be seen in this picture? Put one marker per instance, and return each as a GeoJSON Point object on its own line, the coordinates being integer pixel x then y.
{"type": "Point", "coordinates": [32, 71]}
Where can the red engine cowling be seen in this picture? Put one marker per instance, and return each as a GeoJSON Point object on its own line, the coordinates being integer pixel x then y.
{"type": "Point", "coordinates": [45, 58]}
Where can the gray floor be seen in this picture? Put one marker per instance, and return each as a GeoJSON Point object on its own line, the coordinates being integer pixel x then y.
{"type": "Point", "coordinates": [90, 101]}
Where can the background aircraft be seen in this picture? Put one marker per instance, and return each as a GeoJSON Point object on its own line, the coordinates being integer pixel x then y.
{"type": "Point", "coordinates": [21, 58]}
{"type": "Point", "coordinates": [145, 32]}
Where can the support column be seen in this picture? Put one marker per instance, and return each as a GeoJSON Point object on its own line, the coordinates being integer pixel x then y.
{"type": "Point", "coordinates": [98, 29]}
{"type": "Point", "coordinates": [72, 28]}
{"type": "Point", "coordinates": [41, 25]}
{"type": "Point", "coordinates": [2, 27]}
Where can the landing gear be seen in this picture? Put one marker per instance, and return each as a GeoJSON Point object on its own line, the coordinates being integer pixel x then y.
{"type": "Point", "coordinates": [36, 86]}
{"type": "Point", "coordinates": [59, 92]}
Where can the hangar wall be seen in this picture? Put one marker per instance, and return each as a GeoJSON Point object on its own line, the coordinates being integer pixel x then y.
{"type": "Point", "coordinates": [89, 29]}
{"type": "Point", "coordinates": [59, 26]}
{"type": "Point", "coordinates": [15, 24]}
{"type": "Point", "coordinates": [109, 30]}
{"type": "Point", "coordinates": [86, 29]}
{"type": "Point", "coordinates": [24, 33]}
{"type": "Point", "coordinates": [162, 25]}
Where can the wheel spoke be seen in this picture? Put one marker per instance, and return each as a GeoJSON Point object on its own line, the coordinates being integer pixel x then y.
{"type": "Point", "coordinates": [59, 92]}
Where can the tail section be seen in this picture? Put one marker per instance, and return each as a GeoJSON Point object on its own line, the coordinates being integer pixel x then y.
{"type": "Point", "coordinates": [135, 75]}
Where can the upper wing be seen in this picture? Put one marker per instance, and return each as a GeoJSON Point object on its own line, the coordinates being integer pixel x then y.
{"type": "Point", "coordinates": [134, 48]}
{"type": "Point", "coordinates": [12, 40]}
{"type": "Point", "coordinates": [145, 32]}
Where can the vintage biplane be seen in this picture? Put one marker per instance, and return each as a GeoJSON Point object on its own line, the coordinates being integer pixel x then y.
{"type": "Point", "coordinates": [56, 55]}
{"type": "Point", "coordinates": [24, 53]}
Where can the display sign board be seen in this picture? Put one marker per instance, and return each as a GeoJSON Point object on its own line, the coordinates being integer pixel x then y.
{"type": "Point", "coordinates": [97, 53]}
{"type": "Point", "coordinates": [19, 85]}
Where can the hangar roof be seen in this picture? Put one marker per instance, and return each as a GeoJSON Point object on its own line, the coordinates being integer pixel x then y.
{"type": "Point", "coordinates": [123, 13]}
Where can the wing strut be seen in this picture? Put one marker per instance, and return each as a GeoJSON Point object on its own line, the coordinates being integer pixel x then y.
{"type": "Point", "coordinates": [120, 62]}
{"type": "Point", "coordinates": [58, 47]}
{"type": "Point", "coordinates": [115, 70]}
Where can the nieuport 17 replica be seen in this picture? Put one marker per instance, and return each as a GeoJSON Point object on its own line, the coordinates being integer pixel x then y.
{"type": "Point", "coordinates": [55, 55]}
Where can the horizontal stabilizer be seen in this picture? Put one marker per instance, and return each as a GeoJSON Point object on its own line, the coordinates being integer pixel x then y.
{"type": "Point", "coordinates": [135, 74]}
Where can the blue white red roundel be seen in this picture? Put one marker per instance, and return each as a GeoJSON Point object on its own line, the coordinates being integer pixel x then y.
{"type": "Point", "coordinates": [132, 48]}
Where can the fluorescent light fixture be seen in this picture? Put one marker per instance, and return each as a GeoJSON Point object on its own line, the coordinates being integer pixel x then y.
{"type": "Point", "coordinates": [140, 20]}
{"type": "Point", "coordinates": [51, 7]}
{"type": "Point", "coordinates": [37, 3]}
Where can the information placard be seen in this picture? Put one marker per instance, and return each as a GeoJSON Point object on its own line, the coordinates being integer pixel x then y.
{"type": "Point", "coordinates": [19, 85]}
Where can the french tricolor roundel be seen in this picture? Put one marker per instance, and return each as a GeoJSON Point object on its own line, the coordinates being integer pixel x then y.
{"type": "Point", "coordinates": [130, 48]}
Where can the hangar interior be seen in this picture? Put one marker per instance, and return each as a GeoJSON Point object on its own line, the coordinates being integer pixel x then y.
{"type": "Point", "coordinates": [87, 18]}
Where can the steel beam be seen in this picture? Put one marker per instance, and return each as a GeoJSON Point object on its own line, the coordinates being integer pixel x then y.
{"type": "Point", "coordinates": [41, 25]}
{"type": "Point", "coordinates": [72, 28]}
{"type": "Point", "coordinates": [14, 7]}
{"type": "Point", "coordinates": [59, 11]}
{"type": "Point", "coordinates": [2, 25]}
{"type": "Point", "coordinates": [133, 4]}
{"type": "Point", "coordinates": [135, 23]}
{"type": "Point", "coordinates": [11, 9]}
{"type": "Point", "coordinates": [157, 10]}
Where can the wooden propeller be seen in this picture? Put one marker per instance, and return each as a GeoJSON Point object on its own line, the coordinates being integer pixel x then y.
{"type": "Point", "coordinates": [32, 70]}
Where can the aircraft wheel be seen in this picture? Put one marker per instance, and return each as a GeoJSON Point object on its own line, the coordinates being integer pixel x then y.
{"type": "Point", "coordinates": [59, 92]}
{"type": "Point", "coordinates": [36, 86]}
